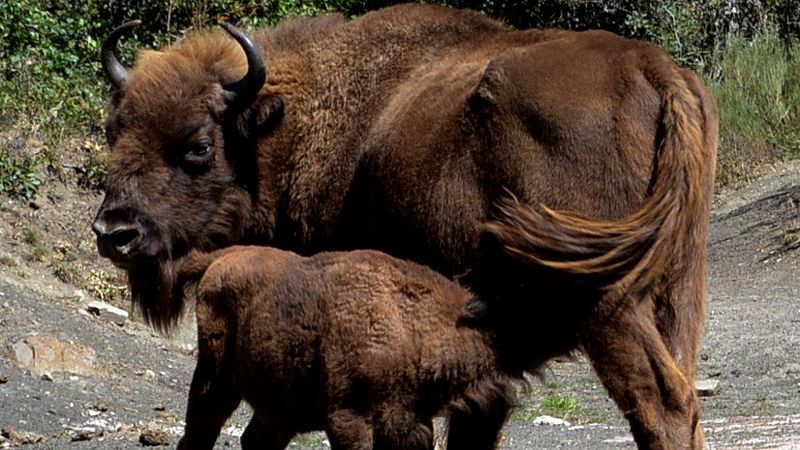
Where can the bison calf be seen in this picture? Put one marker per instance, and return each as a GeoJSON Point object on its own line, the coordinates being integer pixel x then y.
{"type": "Point", "coordinates": [361, 345]}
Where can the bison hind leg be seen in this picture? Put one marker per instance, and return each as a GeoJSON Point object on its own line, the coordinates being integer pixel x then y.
{"type": "Point", "coordinates": [632, 359]}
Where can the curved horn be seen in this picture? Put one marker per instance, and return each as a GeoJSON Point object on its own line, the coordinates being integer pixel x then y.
{"type": "Point", "coordinates": [245, 90]}
{"type": "Point", "coordinates": [115, 71]}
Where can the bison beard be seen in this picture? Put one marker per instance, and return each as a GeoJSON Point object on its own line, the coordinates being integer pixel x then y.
{"type": "Point", "coordinates": [153, 290]}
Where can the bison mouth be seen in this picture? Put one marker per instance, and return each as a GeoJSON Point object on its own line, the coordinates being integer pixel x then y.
{"type": "Point", "coordinates": [150, 262]}
{"type": "Point", "coordinates": [128, 244]}
{"type": "Point", "coordinates": [120, 256]}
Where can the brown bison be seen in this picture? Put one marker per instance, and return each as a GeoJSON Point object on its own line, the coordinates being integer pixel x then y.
{"type": "Point", "coordinates": [564, 177]}
{"type": "Point", "coordinates": [359, 344]}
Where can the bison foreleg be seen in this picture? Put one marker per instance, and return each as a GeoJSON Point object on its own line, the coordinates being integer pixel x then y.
{"type": "Point", "coordinates": [211, 402]}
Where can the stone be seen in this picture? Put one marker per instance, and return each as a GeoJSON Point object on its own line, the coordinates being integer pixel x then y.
{"type": "Point", "coordinates": [99, 405]}
{"type": "Point", "coordinates": [549, 420]}
{"type": "Point", "coordinates": [154, 437]}
{"type": "Point", "coordinates": [18, 437]}
{"type": "Point", "coordinates": [84, 434]}
{"type": "Point", "coordinates": [108, 312]}
{"type": "Point", "coordinates": [146, 373]}
{"type": "Point", "coordinates": [44, 355]}
{"type": "Point", "coordinates": [3, 378]}
{"type": "Point", "coordinates": [707, 387]}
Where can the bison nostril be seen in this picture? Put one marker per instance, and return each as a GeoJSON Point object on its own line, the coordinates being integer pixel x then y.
{"type": "Point", "coordinates": [123, 236]}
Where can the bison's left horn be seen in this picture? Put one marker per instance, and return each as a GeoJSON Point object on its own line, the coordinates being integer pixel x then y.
{"type": "Point", "coordinates": [115, 71]}
{"type": "Point", "coordinates": [245, 90]}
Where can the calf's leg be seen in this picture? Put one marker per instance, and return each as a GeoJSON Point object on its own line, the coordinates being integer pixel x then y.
{"type": "Point", "coordinates": [347, 430]}
{"type": "Point", "coordinates": [398, 427]}
{"type": "Point", "coordinates": [212, 400]}
{"type": "Point", "coordinates": [262, 435]}
{"type": "Point", "coordinates": [212, 395]}
{"type": "Point", "coordinates": [479, 427]}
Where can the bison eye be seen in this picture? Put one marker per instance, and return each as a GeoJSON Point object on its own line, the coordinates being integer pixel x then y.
{"type": "Point", "coordinates": [198, 153]}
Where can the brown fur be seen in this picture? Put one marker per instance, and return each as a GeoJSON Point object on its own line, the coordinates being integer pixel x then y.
{"type": "Point", "coordinates": [359, 344]}
{"type": "Point", "coordinates": [405, 130]}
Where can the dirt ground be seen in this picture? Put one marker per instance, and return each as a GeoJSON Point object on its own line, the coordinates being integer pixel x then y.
{"type": "Point", "coordinates": [108, 385]}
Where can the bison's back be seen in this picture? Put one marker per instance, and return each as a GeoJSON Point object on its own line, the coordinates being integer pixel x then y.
{"type": "Point", "coordinates": [565, 119]}
{"type": "Point", "coordinates": [394, 331]}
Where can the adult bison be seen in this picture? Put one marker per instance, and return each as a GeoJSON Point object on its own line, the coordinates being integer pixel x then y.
{"type": "Point", "coordinates": [564, 177]}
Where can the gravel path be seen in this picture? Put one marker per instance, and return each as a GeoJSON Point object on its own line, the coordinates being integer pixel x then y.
{"type": "Point", "coordinates": [752, 348]}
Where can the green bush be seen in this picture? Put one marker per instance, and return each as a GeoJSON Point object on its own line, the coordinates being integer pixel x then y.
{"type": "Point", "coordinates": [52, 86]}
{"type": "Point", "coordinates": [759, 100]}
{"type": "Point", "coordinates": [18, 176]}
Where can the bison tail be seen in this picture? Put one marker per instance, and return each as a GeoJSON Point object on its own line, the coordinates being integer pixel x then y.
{"type": "Point", "coordinates": [631, 253]}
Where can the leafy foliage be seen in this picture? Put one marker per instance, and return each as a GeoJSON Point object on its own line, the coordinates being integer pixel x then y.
{"type": "Point", "coordinates": [759, 101]}
{"type": "Point", "coordinates": [18, 176]}
{"type": "Point", "coordinates": [51, 82]}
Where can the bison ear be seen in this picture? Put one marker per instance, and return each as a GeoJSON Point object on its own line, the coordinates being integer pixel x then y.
{"type": "Point", "coordinates": [268, 110]}
{"type": "Point", "coordinates": [261, 116]}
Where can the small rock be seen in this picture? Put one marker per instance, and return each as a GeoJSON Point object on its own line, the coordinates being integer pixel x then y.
{"type": "Point", "coordinates": [21, 437]}
{"type": "Point", "coordinates": [159, 408]}
{"type": "Point", "coordinates": [108, 312]}
{"type": "Point", "coordinates": [84, 434]}
{"type": "Point", "coordinates": [47, 377]}
{"type": "Point", "coordinates": [100, 406]}
{"type": "Point", "coordinates": [707, 387]}
{"type": "Point", "coordinates": [45, 355]}
{"type": "Point", "coordinates": [549, 420]}
{"type": "Point", "coordinates": [3, 378]}
{"type": "Point", "coordinates": [153, 437]}
{"type": "Point", "coordinates": [146, 373]}
{"type": "Point", "coordinates": [23, 354]}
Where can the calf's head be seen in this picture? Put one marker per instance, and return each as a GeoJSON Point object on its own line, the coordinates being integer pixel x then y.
{"type": "Point", "coordinates": [181, 172]}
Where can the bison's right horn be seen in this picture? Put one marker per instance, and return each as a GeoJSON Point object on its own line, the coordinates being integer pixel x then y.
{"type": "Point", "coordinates": [245, 90]}
{"type": "Point", "coordinates": [115, 71]}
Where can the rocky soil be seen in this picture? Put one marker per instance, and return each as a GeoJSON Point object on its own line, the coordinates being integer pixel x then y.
{"type": "Point", "coordinates": [75, 379]}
